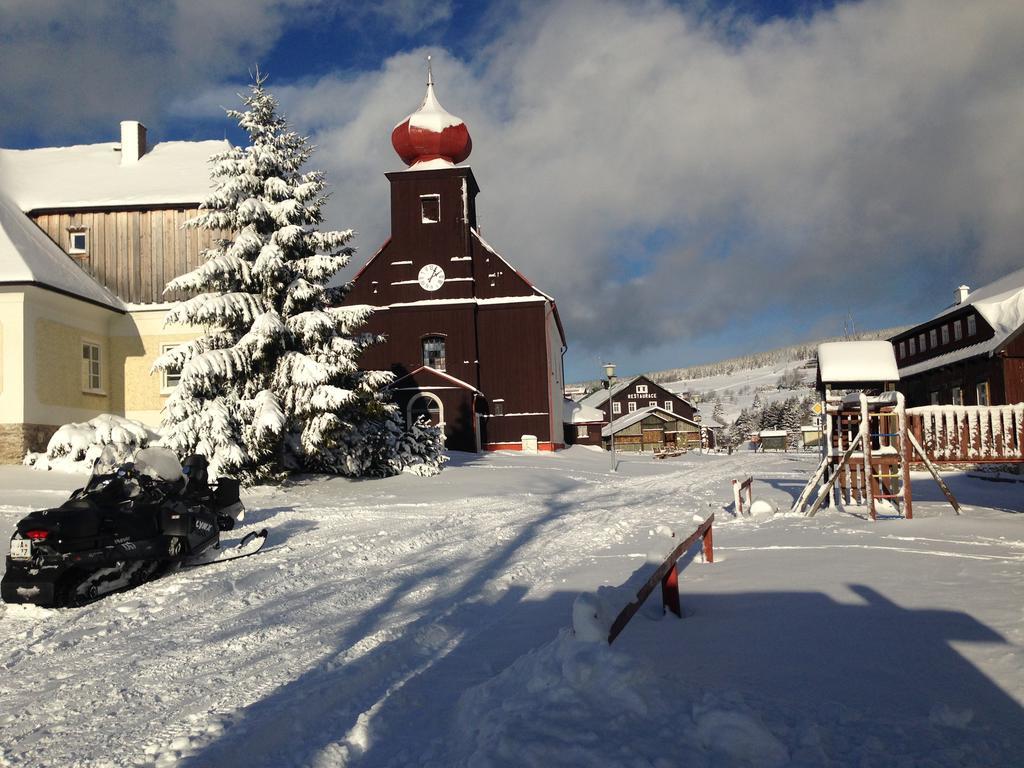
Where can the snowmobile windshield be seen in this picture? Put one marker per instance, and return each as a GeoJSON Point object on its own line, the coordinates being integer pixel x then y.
{"type": "Point", "coordinates": [107, 462]}
{"type": "Point", "coordinates": [159, 464]}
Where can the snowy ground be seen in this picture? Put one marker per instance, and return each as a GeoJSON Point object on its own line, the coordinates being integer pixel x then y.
{"type": "Point", "coordinates": [426, 622]}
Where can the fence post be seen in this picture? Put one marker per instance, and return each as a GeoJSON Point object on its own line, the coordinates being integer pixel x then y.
{"type": "Point", "coordinates": [709, 546]}
{"type": "Point", "coordinates": [670, 591]}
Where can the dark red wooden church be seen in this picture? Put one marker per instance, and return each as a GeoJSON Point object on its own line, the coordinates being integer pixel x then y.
{"type": "Point", "coordinates": [474, 345]}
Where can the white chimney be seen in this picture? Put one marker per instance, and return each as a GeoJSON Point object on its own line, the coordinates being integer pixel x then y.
{"type": "Point", "coordinates": [960, 293]}
{"type": "Point", "coordinates": [133, 141]}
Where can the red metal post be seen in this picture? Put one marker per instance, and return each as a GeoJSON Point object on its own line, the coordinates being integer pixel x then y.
{"type": "Point", "coordinates": [670, 591]}
{"type": "Point", "coordinates": [709, 546]}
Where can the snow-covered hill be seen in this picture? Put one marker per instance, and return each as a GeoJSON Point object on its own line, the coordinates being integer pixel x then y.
{"type": "Point", "coordinates": [427, 622]}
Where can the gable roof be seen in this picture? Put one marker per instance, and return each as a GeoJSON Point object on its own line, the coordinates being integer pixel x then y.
{"type": "Point", "coordinates": [1000, 304]}
{"type": "Point", "coordinates": [91, 175]}
{"type": "Point", "coordinates": [639, 414]}
{"type": "Point", "coordinates": [863, 361]}
{"type": "Point", "coordinates": [29, 257]}
{"type": "Point", "coordinates": [432, 373]}
{"type": "Point", "coordinates": [599, 397]}
{"type": "Point", "coordinates": [574, 412]}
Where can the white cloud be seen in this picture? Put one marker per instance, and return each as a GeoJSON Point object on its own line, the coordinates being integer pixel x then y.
{"type": "Point", "coordinates": [812, 165]}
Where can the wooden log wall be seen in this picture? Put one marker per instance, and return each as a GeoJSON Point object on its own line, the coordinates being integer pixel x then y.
{"type": "Point", "coordinates": [134, 253]}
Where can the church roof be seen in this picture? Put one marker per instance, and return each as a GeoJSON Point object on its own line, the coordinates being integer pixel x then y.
{"type": "Point", "coordinates": [29, 257]}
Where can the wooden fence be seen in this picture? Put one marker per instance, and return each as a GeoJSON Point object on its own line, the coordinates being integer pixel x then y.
{"type": "Point", "coordinates": [973, 434]}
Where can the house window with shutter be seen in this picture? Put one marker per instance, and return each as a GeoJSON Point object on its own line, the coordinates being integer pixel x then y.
{"type": "Point", "coordinates": [631, 406]}
{"type": "Point", "coordinates": [641, 389]}
{"type": "Point", "coordinates": [972, 325]}
{"type": "Point", "coordinates": [945, 334]}
{"type": "Point", "coordinates": [430, 209]}
{"type": "Point", "coordinates": [903, 349]}
{"type": "Point", "coordinates": [616, 408]}
{"type": "Point", "coordinates": [668, 405]}
{"type": "Point", "coordinates": [958, 330]}
{"type": "Point", "coordinates": [933, 338]}
{"type": "Point", "coordinates": [921, 343]}
{"type": "Point", "coordinates": [913, 347]}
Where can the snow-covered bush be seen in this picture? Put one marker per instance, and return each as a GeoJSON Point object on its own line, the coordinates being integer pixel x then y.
{"type": "Point", "coordinates": [273, 385]}
{"type": "Point", "coordinates": [75, 446]}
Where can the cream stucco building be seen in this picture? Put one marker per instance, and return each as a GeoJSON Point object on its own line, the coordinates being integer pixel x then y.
{"type": "Point", "coordinates": [89, 237]}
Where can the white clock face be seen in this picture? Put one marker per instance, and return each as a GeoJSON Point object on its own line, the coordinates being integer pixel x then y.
{"type": "Point", "coordinates": [431, 277]}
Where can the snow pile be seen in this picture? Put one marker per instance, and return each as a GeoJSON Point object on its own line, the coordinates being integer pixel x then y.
{"type": "Point", "coordinates": [75, 446]}
{"type": "Point", "coordinates": [530, 715]}
{"type": "Point", "coordinates": [762, 509]}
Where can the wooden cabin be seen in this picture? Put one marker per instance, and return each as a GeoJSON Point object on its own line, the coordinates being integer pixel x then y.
{"type": "Point", "coordinates": [970, 353]}
{"type": "Point", "coordinates": [652, 429]}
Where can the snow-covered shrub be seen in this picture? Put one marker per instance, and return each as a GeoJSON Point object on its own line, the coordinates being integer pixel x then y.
{"type": "Point", "coordinates": [76, 446]}
{"type": "Point", "coordinates": [273, 386]}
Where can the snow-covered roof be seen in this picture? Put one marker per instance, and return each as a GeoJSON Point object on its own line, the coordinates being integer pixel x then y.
{"type": "Point", "coordinates": [772, 433]}
{"type": "Point", "coordinates": [27, 255]}
{"type": "Point", "coordinates": [88, 175]}
{"type": "Point", "coordinates": [840, 361]}
{"type": "Point", "coordinates": [577, 413]}
{"type": "Point", "coordinates": [454, 381]}
{"type": "Point", "coordinates": [1000, 303]}
{"type": "Point", "coordinates": [599, 397]}
{"type": "Point", "coordinates": [638, 415]}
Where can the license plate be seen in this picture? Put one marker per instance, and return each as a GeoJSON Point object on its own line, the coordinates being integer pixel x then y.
{"type": "Point", "coordinates": [21, 549]}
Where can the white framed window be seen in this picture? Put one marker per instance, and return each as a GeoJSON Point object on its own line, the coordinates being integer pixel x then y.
{"type": "Point", "coordinates": [631, 406]}
{"type": "Point", "coordinates": [921, 343]}
{"type": "Point", "coordinates": [957, 396]}
{"type": "Point", "coordinates": [913, 347]}
{"type": "Point", "coordinates": [653, 404]}
{"type": "Point", "coordinates": [933, 338]}
{"type": "Point", "coordinates": [945, 334]}
{"type": "Point", "coordinates": [430, 209]}
{"type": "Point", "coordinates": [168, 379]}
{"type": "Point", "coordinates": [933, 398]}
{"type": "Point", "coordinates": [972, 325]}
{"type": "Point", "coordinates": [903, 349]}
{"type": "Point", "coordinates": [958, 330]}
{"type": "Point", "coordinates": [78, 241]}
{"type": "Point", "coordinates": [616, 408]}
{"type": "Point", "coordinates": [641, 389]}
{"type": "Point", "coordinates": [92, 379]}
{"type": "Point", "coordinates": [982, 392]}
{"type": "Point", "coordinates": [668, 405]}
{"type": "Point", "coordinates": [581, 431]}
{"type": "Point", "coordinates": [498, 407]}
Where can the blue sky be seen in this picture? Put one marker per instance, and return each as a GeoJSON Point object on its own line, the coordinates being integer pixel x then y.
{"type": "Point", "coordinates": [690, 180]}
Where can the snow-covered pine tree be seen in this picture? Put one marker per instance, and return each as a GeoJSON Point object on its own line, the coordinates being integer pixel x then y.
{"type": "Point", "coordinates": [273, 385]}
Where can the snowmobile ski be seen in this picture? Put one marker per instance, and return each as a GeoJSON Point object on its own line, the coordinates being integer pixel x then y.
{"type": "Point", "coordinates": [251, 544]}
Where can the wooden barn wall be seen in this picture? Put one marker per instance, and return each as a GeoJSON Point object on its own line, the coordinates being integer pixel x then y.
{"type": "Point", "coordinates": [134, 253]}
{"type": "Point", "coordinates": [966, 375]}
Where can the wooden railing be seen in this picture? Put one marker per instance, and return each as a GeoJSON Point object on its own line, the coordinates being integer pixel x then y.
{"type": "Point", "coordinates": [969, 433]}
{"type": "Point", "coordinates": [668, 575]}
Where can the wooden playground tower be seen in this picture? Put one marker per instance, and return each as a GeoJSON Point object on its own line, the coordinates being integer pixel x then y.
{"type": "Point", "coordinates": [863, 454]}
{"type": "Point", "coordinates": [866, 447]}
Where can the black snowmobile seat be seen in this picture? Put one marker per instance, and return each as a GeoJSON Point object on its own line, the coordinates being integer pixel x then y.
{"type": "Point", "coordinates": [75, 519]}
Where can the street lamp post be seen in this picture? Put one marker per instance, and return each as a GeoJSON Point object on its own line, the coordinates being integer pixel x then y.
{"type": "Point", "coordinates": [609, 372]}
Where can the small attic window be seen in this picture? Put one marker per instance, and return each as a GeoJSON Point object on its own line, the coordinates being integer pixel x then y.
{"type": "Point", "coordinates": [430, 209]}
{"type": "Point", "coordinates": [78, 240]}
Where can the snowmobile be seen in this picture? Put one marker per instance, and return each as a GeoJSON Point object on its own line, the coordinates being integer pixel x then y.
{"type": "Point", "coordinates": [130, 523]}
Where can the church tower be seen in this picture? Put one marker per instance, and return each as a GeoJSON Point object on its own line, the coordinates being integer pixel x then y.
{"type": "Point", "coordinates": [474, 345]}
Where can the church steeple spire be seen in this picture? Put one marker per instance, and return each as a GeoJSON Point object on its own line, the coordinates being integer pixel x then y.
{"type": "Point", "coordinates": [431, 133]}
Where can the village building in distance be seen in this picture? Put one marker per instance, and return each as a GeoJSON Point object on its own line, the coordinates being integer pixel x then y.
{"type": "Point", "coordinates": [642, 416]}
{"type": "Point", "coordinates": [971, 353]}
{"type": "Point", "coordinates": [89, 237]}
{"type": "Point", "coordinates": [476, 348]}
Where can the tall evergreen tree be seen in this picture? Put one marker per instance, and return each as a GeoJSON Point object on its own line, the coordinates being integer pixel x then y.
{"type": "Point", "coordinates": [273, 385]}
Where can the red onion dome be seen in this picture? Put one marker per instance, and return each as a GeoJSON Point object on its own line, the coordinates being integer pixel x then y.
{"type": "Point", "coordinates": [431, 133]}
